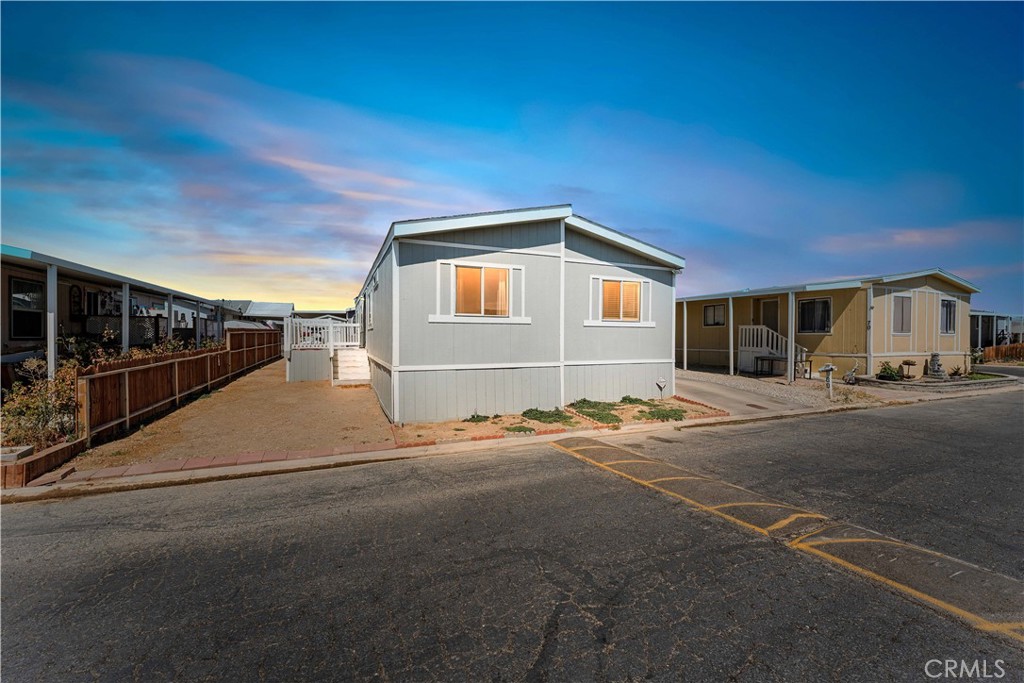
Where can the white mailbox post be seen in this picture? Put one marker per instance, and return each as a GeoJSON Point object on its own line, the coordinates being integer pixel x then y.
{"type": "Point", "coordinates": [828, 369]}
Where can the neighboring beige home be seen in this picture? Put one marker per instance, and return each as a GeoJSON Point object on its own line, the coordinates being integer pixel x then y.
{"type": "Point", "coordinates": [862, 321]}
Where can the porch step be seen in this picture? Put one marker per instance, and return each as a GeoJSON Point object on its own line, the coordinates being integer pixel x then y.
{"type": "Point", "coordinates": [351, 366]}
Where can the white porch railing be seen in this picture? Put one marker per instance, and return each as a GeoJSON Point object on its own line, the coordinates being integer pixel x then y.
{"type": "Point", "coordinates": [760, 341]}
{"type": "Point", "coordinates": [320, 333]}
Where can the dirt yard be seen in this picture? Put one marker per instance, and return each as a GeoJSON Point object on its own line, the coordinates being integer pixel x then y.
{"type": "Point", "coordinates": [258, 412]}
{"type": "Point", "coordinates": [512, 425]}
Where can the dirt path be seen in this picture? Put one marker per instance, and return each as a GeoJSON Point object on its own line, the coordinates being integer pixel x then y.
{"type": "Point", "coordinates": [259, 412]}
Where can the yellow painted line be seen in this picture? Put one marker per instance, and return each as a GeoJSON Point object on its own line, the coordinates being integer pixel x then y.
{"type": "Point", "coordinates": [973, 619]}
{"type": "Point", "coordinates": [823, 529]}
{"type": "Point", "coordinates": [662, 490]}
{"type": "Point", "coordinates": [792, 518]}
{"type": "Point", "coordinates": [587, 448]}
{"type": "Point", "coordinates": [624, 462]}
{"type": "Point", "coordinates": [755, 504]}
{"type": "Point", "coordinates": [655, 481]}
{"type": "Point", "coordinates": [883, 541]}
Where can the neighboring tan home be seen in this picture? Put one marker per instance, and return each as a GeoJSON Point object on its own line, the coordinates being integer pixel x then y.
{"type": "Point", "coordinates": [860, 321]}
{"type": "Point", "coordinates": [500, 312]}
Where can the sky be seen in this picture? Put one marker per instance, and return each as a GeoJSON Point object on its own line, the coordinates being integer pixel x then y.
{"type": "Point", "coordinates": [261, 150]}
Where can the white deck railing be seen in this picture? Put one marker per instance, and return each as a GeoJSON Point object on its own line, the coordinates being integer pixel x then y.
{"type": "Point", "coordinates": [758, 340]}
{"type": "Point", "coordinates": [320, 333]}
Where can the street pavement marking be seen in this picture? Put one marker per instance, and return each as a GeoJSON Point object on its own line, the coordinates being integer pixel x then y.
{"type": "Point", "coordinates": [988, 601]}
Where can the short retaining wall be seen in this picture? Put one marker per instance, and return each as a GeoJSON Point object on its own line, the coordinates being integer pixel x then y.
{"type": "Point", "coordinates": [937, 386]}
{"type": "Point", "coordinates": [18, 474]}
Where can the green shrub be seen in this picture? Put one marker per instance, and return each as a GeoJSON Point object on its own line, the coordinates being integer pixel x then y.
{"type": "Point", "coordinates": [38, 411]}
{"type": "Point", "coordinates": [888, 372]}
{"type": "Point", "coordinates": [956, 371]}
{"type": "Point", "coordinates": [630, 401]}
{"type": "Point", "coordinates": [662, 414]}
{"type": "Point", "coordinates": [519, 428]}
{"type": "Point", "coordinates": [477, 418]}
{"type": "Point", "coordinates": [599, 411]}
{"type": "Point", "coordinates": [555, 416]}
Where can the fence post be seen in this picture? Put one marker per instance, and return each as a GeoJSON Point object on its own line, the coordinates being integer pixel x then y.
{"type": "Point", "coordinates": [174, 369]}
{"type": "Point", "coordinates": [84, 407]}
{"type": "Point", "coordinates": [127, 403]}
{"type": "Point", "coordinates": [207, 373]}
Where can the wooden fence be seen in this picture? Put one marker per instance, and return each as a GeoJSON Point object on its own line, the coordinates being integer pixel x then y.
{"type": "Point", "coordinates": [112, 397]}
{"type": "Point", "coordinates": [1005, 352]}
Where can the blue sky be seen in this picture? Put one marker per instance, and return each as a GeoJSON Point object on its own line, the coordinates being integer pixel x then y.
{"type": "Point", "coordinates": [261, 150]}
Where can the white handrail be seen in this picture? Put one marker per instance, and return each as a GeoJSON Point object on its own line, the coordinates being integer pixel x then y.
{"type": "Point", "coordinates": [320, 333]}
{"type": "Point", "coordinates": [766, 340]}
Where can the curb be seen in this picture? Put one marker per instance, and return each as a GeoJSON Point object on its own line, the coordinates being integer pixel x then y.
{"type": "Point", "coordinates": [62, 489]}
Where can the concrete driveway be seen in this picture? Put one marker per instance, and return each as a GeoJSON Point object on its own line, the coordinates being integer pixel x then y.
{"type": "Point", "coordinates": [736, 400]}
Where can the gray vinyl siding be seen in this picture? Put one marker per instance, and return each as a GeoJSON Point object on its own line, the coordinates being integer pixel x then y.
{"type": "Point", "coordinates": [540, 235]}
{"type": "Point", "coordinates": [612, 382]}
{"type": "Point", "coordinates": [446, 343]}
{"type": "Point", "coordinates": [378, 339]}
{"type": "Point", "coordinates": [578, 245]}
{"type": "Point", "coordinates": [434, 396]}
{"type": "Point", "coordinates": [617, 343]}
{"type": "Point", "coordinates": [380, 380]}
{"type": "Point", "coordinates": [309, 365]}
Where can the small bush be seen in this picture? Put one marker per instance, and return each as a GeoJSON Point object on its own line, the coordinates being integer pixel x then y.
{"type": "Point", "coordinates": [630, 401]}
{"type": "Point", "coordinates": [889, 373]}
{"type": "Point", "coordinates": [599, 411]}
{"type": "Point", "coordinates": [555, 416]}
{"type": "Point", "coordinates": [519, 428]}
{"type": "Point", "coordinates": [38, 411]}
{"type": "Point", "coordinates": [662, 414]}
{"type": "Point", "coordinates": [956, 371]}
{"type": "Point", "coordinates": [477, 418]}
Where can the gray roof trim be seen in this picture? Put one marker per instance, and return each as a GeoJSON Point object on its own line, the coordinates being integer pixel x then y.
{"type": "Point", "coordinates": [607, 234]}
{"type": "Point", "coordinates": [16, 254]}
{"type": "Point", "coordinates": [836, 284]}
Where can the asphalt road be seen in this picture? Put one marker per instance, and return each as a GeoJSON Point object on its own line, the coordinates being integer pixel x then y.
{"type": "Point", "coordinates": [947, 475]}
{"type": "Point", "coordinates": [522, 564]}
{"type": "Point", "coordinates": [1015, 370]}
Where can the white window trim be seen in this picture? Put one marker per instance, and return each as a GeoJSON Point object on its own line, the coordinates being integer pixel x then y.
{"type": "Point", "coordinates": [645, 321]}
{"type": "Point", "coordinates": [703, 317]}
{"type": "Point", "coordinates": [479, 318]}
{"type": "Point", "coordinates": [40, 311]}
{"type": "Point", "coordinates": [892, 322]}
{"type": "Point", "coordinates": [956, 313]}
{"type": "Point", "coordinates": [831, 316]}
{"type": "Point", "coordinates": [369, 302]}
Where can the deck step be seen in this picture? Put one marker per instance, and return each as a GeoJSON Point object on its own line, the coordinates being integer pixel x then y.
{"type": "Point", "coordinates": [351, 366]}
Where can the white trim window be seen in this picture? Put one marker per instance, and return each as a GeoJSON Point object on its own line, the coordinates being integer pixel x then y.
{"type": "Point", "coordinates": [369, 302]}
{"type": "Point", "coordinates": [714, 315]}
{"type": "Point", "coordinates": [902, 314]}
{"type": "Point", "coordinates": [947, 316]}
{"type": "Point", "coordinates": [815, 316]}
{"type": "Point", "coordinates": [619, 302]}
{"type": "Point", "coordinates": [476, 292]}
{"type": "Point", "coordinates": [28, 309]}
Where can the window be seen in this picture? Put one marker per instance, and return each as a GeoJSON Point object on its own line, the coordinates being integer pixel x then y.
{"type": "Point", "coordinates": [481, 291]}
{"type": "Point", "coordinates": [620, 300]}
{"type": "Point", "coordinates": [815, 316]}
{"type": "Point", "coordinates": [714, 315]}
{"type": "Point", "coordinates": [901, 312]}
{"type": "Point", "coordinates": [947, 317]}
{"type": "Point", "coordinates": [28, 309]}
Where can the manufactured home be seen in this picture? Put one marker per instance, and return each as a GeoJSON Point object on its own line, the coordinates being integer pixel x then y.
{"type": "Point", "coordinates": [500, 312]}
{"type": "Point", "coordinates": [858, 322]}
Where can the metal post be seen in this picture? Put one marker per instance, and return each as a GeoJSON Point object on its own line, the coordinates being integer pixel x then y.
{"type": "Point", "coordinates": [198, 322]}
{"type": "Point", "coordinates": [51, 321]}
{"type": "Point", "coordinates": [732, 349]}
{"type": "Point", "coordinates": [791, 338]}
{"type": "Point", "coordinates": [170, 316]}
{"type": "Point", "coordinates": [126, 311]}
{"type": "Point", "coordinates": [686, 352]}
